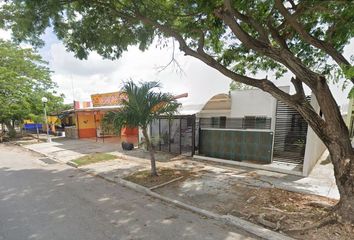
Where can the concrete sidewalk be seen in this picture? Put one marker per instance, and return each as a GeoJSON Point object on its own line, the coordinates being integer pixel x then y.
{"type": "Point", "coordinates": [64, 150]}
{"type": "Point", "coordinates": [320, 182]}
{"type": "Point", "coordinates": [212, 177]}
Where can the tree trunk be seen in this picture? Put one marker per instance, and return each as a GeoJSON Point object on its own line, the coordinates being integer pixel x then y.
{"type": "Point", "coordinates": [2, 133]}
{"type": "Point", "coordinates": [335, 135]}
{"type": "Point", "coordinates": [152, 153]}
{"type": "Point", "coordinates": [37, 130]}
{"type": "Point", "coordinates": [11, 129]}
{"type": "Point", "coordinates": [344, 174]}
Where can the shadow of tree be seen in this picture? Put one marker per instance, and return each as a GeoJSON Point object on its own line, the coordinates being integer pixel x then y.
{"type": "Point", "coordinates": [58, 202]}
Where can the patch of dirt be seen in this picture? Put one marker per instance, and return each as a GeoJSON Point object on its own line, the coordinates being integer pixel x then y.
{"type": "Point", "coordinates": [276, 209]}
{"type": "Point", "coordinates": [26, 139]}
{"type": "Point", "coordinates": [160, 156]}
{"type": "Point", "coordinates": [282, 210]}
{"type": "Point", "coordinates": [145, 179]}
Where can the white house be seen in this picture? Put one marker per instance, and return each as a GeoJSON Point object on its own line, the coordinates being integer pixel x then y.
{"type": "Point", "coordinates": [256, 112]}
{"type": "Point", "coordinates": [244, 127]}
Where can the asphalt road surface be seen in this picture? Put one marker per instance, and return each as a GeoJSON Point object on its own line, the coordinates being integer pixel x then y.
{"type": "Point", "coordinates": [41, 199]}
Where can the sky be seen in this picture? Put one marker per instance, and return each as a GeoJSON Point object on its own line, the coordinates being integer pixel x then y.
{"type": "Point", "coordinates": [78, 79]}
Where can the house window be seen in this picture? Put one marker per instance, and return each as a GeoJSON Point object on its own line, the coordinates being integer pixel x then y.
{"type": "Point", "coordinates": [215, 122]}
{"type": "Point", "coordinates": [222, 122]}
{"type": "Point", "coordinates": [218, 122]}
{"type": "Point", "coordinates": [255, 122]}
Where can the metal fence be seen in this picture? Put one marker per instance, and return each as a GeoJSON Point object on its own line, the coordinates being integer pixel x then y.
{"type": "Point", "coordinates": [174, 134]}
{"type": "Point", "coordinates": [248, 122]}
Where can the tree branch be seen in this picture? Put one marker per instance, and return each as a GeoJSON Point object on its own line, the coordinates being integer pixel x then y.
{"type": "Point", "coordinates": [305, 110]}
{"type": "Point", "coordinates": [324, 46]}
{"type": "Point", "coordinates": [263, 35]}
{"type": "Point", "coordinates": [281, 55]}
{"type": "Point", "coordinates": [201, 42]}
{"type": "Point", "coordinates": [276, 35]}
{"type": "Point", "coordinates": [263, 84]}
{"type": "Point", "coordinates": [172, 61]}
{"type": "Point", "coordinates": [243, 36]}
{"type": "Point", "coordinates": [315, 121]}
{"type": "Point", "coordinates": [300, 93]}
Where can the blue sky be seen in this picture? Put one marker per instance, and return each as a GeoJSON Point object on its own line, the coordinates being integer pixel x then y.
{"type": "Point", "coordinates": [78, 79]}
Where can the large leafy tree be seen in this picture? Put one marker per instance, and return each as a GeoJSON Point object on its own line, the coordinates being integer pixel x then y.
{"type": "Point", "coordinates": [142, 106]}
{"type": "Point", "coordinates": [24, 80]}
{"type": "Point", "coordinates": [236, 37]}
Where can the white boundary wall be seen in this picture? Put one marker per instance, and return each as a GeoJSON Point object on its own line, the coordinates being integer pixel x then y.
{"type": "Point", "coordinates": [254, 102]}
{"type": "Point", "coordinates": [314, 145]}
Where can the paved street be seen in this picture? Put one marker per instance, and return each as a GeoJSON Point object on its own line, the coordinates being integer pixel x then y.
{"type": "Point", "coordinates": [41, 200]}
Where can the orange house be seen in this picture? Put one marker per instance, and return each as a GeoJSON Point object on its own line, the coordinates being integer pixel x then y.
{"type": "Point", "coordinates": [85, 120]}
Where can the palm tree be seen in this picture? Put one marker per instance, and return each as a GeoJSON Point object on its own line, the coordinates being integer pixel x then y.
{"type": "Point", "coordinates": [142, 105]}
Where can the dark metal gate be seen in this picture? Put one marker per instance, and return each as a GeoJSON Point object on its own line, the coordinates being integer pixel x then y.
{"type": "Point", "coordinates": [290, 135]}
{"type": "Point", "coordinates": [174, 134]}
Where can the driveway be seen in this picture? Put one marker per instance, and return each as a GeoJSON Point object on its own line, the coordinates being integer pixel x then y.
{"type": "Point", "coordinates": [41, 199]}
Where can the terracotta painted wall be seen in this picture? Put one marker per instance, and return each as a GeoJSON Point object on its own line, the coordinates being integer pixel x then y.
{"type": "Point", "coordinates": [86, 124]}
{"type": "Point", "coordinates": [87, 127]}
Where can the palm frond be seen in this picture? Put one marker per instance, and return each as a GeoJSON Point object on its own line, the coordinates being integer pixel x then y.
{"type": "Point", "coordinates": [143, 104]}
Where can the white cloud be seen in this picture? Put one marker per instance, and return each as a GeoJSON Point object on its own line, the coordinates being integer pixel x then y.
{"type": "Point", "coordinates": [64, 62]}
{"type": "Point", "coordinates": [96, 75]}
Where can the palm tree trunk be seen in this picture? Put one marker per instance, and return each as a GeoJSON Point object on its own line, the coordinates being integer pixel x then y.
{"type": "Point", "coordinates": [152, 153]}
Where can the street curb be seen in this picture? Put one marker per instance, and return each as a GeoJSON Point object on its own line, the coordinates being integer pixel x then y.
{"type": "Point", "coordinates": [228, 219]}
{"type": "Point", "coordinates": [34, 151]}
{"type": "Point", "coordinates": [127, 157]}
{"type": "Point", "coordinates": [166, 183]}
{"type": "Point", "coordinates": [72, 164]}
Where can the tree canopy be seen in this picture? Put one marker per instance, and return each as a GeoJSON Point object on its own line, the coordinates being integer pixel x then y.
{"type": "Point", "coordinates": [109, 27]}
{"type": "Point", "coordinates": [24, 80]}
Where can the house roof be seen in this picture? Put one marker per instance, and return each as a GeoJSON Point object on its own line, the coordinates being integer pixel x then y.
{"type": "Point", "coordinates": [93, 109]}
{"type": "Point", "coordinates": [190, 109]}
{"type": "Point", "coordinates": [218, 102]}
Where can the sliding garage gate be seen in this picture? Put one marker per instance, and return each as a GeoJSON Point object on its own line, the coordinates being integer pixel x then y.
{"type": "Point", "coordinates": [290, 135]}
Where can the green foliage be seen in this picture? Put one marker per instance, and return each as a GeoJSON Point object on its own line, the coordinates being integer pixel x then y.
{"type": "Point", "coordinates": [142, 106]}
{"type": "Point", "coordinates": [24, 80]}
{"type": "Point", "coordinates": [239, 86]}
{"type": "Point", "coordinates": [351, 93]}
{"type": "Point", "coordinates": [109, 27]}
